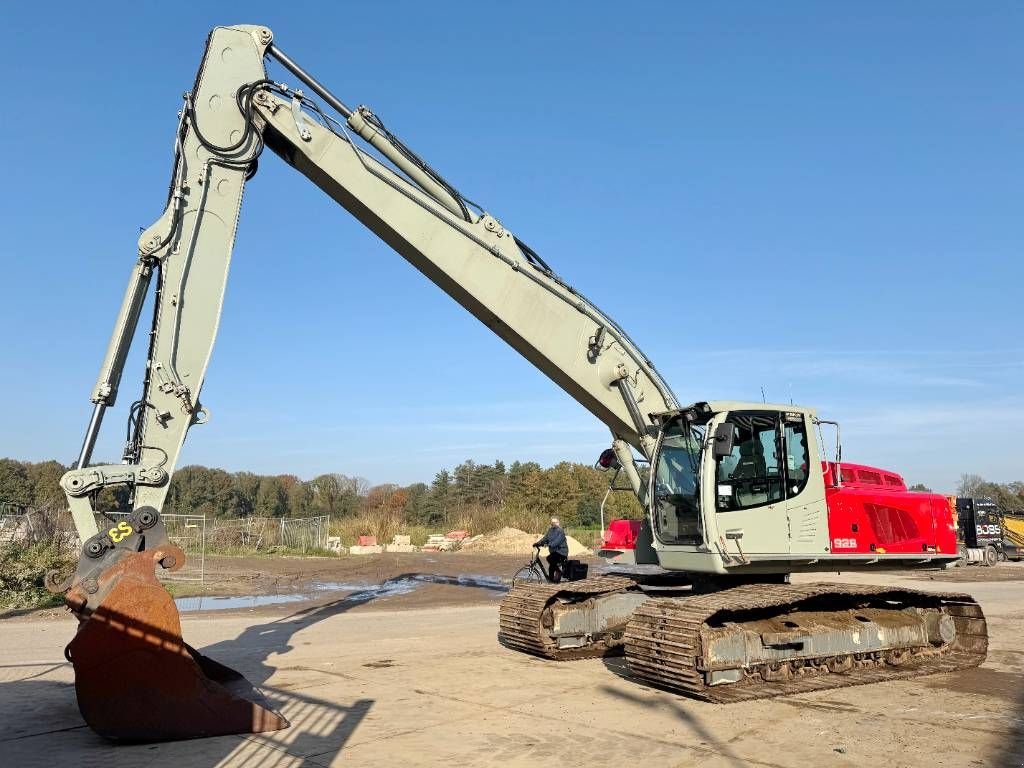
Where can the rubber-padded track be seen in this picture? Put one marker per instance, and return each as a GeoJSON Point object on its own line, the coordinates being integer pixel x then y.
{"type": "Point", "coordinates": [520, 617]}
{"type": "Point", "coordinates": [664, 647]}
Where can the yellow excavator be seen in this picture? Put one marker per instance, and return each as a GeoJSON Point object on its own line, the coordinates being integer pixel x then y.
{"type": "Point", "coordinates": [738, 495]}
{"type": "Point", "coordinates": [1013, 530]}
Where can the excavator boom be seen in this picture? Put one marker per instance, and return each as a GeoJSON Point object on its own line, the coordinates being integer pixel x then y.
{"type": "Point", "coordinates": [231, 115]}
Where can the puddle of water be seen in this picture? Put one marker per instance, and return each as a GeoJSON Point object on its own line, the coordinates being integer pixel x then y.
{"type": "Point", "coordinates": [204, 603]}
{"type": "Point", "coordinates": [470, 580]}
{"type": "Point", "coordinates": [342, 586]}
{"type": "Point", "coordinates": [357, 592]}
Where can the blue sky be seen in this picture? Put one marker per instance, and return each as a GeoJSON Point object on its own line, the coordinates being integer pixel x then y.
{"type": "Point", "coordinates": [864, 161]}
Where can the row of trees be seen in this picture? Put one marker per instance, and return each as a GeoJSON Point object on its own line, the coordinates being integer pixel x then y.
{"type": "Point", "coordinates": [31, 484]}
{"type": "Point", "coordinates": [570, 491]}
{"type": "Point", "coordinates": [1009, 497]}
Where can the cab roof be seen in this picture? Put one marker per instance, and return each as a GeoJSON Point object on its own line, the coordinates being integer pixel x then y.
{"type": "Point", "coordinates": [705, 410]}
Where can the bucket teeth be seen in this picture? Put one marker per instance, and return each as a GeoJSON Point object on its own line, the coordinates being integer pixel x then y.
{"type": "Point", "coordinates": [137, 680]}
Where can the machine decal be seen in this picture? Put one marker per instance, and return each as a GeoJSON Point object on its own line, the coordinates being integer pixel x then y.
{"type": "Point", "coordinates": [120, 531]}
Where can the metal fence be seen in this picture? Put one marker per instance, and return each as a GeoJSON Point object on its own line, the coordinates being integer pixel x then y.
{"type": "Point", "coordinates": [193, 533]}
{"type": "Point", "coordinates": [13, 526]}
{"type": "Point", "coordinates": [261, 533]}
{"type": "Point", "coordinates": [187, 532]}
{"type": "Point", "coordinates": [20, 524]}
{"type": "Point", "coordinates": [305, 533]}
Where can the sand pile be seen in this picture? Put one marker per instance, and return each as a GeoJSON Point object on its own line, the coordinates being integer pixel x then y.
{"type": "Point", "coordinates": [512, 541]}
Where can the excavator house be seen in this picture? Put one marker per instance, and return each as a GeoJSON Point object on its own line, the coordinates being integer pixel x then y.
{"type": "Point", "coordinates": [738, 495]}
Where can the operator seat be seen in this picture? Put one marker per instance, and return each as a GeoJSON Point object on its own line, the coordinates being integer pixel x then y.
{"type": "Point", "coordinates": [751, 463]}
{"type": "Point", "coordinates": [750, 475]}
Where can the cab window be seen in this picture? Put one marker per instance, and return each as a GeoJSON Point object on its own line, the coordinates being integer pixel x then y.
{"type": "Point", "coordinates": [769, 460]}
{"type": "Point", "coordinates": [797, 461]}
{"type": "Point", "coordinates": [752, 476]}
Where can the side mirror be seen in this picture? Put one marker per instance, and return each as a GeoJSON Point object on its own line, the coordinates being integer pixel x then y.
{"type": "Point", "coordinates": [723, 439]}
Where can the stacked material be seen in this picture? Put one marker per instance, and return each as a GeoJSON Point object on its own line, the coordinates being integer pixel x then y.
{"type": "Point", "coordinates": [400, 544]}
{"type": "Point", "coordinates": [365, 549]}
{"type": "Point", "coordinates": [438, 542]}
{"type": "Point", "coordinates": [512, 541]}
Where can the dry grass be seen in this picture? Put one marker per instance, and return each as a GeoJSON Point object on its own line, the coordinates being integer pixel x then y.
{"type": "Point", "coordinates": [489, 519]}
{"type": "Point", "coordinates": [384, 527]}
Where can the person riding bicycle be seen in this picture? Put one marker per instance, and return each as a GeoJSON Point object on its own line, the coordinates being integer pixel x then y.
{"type": "Point", "coordinates": [558, 549]}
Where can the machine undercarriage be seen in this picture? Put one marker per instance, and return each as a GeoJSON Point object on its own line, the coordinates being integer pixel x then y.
{"type": "Point", "coordinates": [748, 641]}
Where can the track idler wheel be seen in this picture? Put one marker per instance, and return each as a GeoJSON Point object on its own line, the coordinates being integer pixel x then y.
{"type": "Point", "coordinates": [135, 678]}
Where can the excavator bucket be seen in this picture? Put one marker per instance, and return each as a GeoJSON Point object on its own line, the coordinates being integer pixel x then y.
{"type": "Point", "coordinates": [135, 678]}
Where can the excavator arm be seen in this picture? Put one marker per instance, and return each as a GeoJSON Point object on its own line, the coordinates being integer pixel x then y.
{"type": "Point", "coordinates": [231, 115]}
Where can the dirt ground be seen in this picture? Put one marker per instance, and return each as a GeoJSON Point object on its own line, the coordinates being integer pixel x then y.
{"type": "Point", "coordinates": [267, 574]}
{"type": "Point", "coordinates": [440, 578]}
{"type": "Point", "coordinates": [394, 662]}
{"type": "Point", "coordinates": [276, 575]}
{"type": "Point", "coordinates": [407, 581]}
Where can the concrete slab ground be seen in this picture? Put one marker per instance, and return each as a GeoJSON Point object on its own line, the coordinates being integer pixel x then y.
{"type": "Point", "coordinates": [432, 687]}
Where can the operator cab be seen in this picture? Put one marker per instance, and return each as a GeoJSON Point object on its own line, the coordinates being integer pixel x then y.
{"type": "Point", "coordinates": [729, 479]}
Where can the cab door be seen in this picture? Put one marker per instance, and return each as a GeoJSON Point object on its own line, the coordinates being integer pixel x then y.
{"type": "Point", "coordinates": [805, 487]}
{"type": "Point", "coordinates": [750, 510]}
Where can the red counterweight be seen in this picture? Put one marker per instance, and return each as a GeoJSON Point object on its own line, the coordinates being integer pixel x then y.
{"type": "Point", "coordinates": [870, 510]}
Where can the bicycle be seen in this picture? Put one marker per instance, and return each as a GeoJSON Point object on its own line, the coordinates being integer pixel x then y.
{"type": "Point", "coordinates": [535, 573]}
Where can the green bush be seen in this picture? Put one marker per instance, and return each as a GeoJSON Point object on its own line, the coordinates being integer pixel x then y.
{"type": "Point", "coordinates": [22, 570]}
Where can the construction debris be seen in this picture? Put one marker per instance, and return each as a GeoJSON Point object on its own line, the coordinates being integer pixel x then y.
{"type": "Point", "coordinates": [367, 549]}
{"type": "Point", "coordinates": [400, 544]}
{"type": "Point", "coordinates": [512, 541]}
{"type": "Point", "coordinates": [438, 542]}
{"type": "Point", "coordinates": [507, 541]}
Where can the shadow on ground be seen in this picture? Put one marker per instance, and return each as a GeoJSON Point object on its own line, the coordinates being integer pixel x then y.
{"type": "Point", "coordinates": [36, 709]}
{"type": "Point", "coordinates": [689, 719]}
{"type": "Point", "coordinates": [1012, 753]}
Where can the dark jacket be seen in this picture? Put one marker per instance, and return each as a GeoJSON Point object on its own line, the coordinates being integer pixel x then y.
{"type": "Point", "coordinates": [554, 540]}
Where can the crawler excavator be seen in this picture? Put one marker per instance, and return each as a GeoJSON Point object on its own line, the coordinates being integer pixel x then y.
{"type": "Point", "coordinates": [738, 495]}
